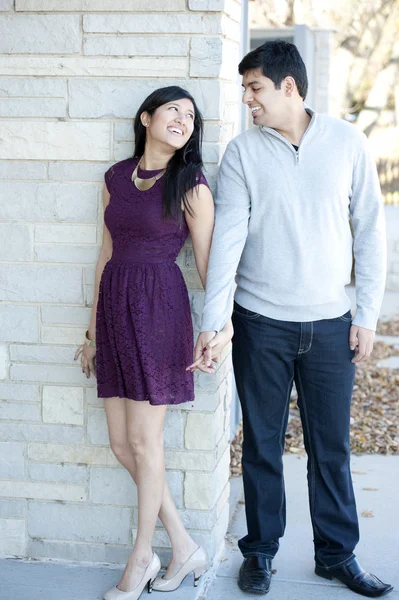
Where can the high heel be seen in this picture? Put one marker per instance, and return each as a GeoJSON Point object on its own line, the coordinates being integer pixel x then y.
{"type": "Point", "coordinates": [195, 564]}
{"type": "Point", "coordinates": [147, 580]}
{"type": "Point", "coordinates": [198, 572]}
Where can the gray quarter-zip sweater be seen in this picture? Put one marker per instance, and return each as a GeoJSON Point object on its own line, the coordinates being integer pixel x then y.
{"type": "Point", "coordinates": [282, 227]}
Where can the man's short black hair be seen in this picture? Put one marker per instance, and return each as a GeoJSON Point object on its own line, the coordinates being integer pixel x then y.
{"type": "Point", "coordinates": [277, 59]}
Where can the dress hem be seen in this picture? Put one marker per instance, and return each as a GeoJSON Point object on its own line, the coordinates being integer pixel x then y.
{"type": "Point", "coordinates": [151, 401]}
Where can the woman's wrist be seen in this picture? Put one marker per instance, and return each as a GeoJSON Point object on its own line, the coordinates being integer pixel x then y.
{"type": "Point", "coordinates": [90, 339]}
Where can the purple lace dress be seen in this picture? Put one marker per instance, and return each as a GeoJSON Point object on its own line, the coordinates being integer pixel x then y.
{"type": "Point", "coordinates": [144, 331]}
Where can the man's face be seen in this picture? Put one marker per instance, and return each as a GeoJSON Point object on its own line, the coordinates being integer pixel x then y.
{"type": "Point", "coordinates": [267, 105]}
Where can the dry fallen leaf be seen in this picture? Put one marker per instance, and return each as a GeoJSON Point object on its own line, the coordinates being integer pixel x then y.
{"type": "Point", "coordinates": [369, 514]}
{"type": "Point", "coordinates": [374, 410]}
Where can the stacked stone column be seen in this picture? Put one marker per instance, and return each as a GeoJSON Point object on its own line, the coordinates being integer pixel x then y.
{"type": "Point", "coordinates": [72, 75]}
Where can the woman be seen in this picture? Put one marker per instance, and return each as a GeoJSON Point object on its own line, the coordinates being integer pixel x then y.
{"type": "Point", "coordinates": [140, 329]}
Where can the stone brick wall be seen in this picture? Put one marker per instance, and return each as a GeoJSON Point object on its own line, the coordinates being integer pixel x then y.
{"type": "Point", "coordinates": [72, 74]}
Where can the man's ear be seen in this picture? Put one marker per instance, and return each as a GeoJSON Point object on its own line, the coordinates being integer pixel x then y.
{"type": "Point", "coordinates": [289, 85]}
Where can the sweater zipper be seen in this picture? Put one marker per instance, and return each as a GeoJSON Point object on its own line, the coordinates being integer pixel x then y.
{"type": "Point", "coordinates": [283, 139]}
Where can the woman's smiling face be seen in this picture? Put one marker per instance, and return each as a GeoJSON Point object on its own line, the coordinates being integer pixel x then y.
{"type": "Point", "coordinates": [172, 123]}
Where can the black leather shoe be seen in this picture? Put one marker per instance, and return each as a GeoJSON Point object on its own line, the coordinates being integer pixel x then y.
{"type": "Point", "coordinates": [356, 578]}
{"type": "Point", "coordinates": [255, 575]}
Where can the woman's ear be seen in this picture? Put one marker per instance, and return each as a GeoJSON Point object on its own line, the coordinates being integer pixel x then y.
{"type": "Point", "coordinates": [145, 119]}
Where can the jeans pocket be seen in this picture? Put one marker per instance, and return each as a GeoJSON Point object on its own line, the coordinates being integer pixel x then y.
{"type": "Point", "coordinates": [347, 317]}
{"type": "Point", "coordinates": [244, 312]}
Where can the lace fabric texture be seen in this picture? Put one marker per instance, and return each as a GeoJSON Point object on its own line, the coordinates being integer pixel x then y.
{"type": "Point", "coordinates": [144, 330]}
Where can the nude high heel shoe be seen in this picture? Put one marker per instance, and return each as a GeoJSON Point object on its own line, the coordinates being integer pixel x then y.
{"type": "Point", "coordinates": [195, 564]}
{"type": "Point", "coordinates": [148, 578]}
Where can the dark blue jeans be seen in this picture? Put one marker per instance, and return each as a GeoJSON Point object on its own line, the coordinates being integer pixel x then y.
{"type": "Point", "coordinates": [268, 355]}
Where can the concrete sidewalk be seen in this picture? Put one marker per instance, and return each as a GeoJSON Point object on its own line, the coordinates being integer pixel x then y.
{"type": "Point", "coordinates": [376, 485]}
{"type": "Point", "coordinates": [376, 480]}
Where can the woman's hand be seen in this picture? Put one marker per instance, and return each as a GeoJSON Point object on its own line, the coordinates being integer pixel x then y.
{"type": "Point", "coordinates": [208, 348]}
{"type": "Point", "coordinates": [88, 355]}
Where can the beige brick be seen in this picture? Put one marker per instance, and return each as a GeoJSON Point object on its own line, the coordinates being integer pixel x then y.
{"type": "Point", "coordinates": [89, 295]}
{"type": "Point", "coordinates": [54, 140]}
{"type": "Point", "coordinates": [192, 279]}
{"type": "Point", "coordinates": [12, 537]}
{"type": "Point", "coordinates": [83, 66]}
{"type": "Point", "coordinates": [43, 491]}
{"type": "Point", "coordinates": [123, 150]}
{"type": "Point", "coordinates": [17, 241]}
{"type": "Point", "coordinates": [198, 491]}
{"type": "Point", "coordinates": [19, 392]}
{"type": "Point", "coordinates": [153, 23]}
{"type": "Point", "coordinates": [103, 6]}
{"type": "Point", "coordinates": [231, 29]}
{"type": "Point", "coordinates": [223, 499]}
{"type": "Point", "coordinates": [22, 169]}
{"type": "Point", "coordinates": [112, 486]}
{"type": "Point", "coordinates": [32, 87]}
{"type": "Point", "coordinates": [78, 453]}
{"type": "Point", "coordinates": [54, 34]}
{"type": "Point", "coordinates": [67, 315]}
{"type": "Point", "coordinates": [121, 97]}
{"type": "Point", "coordinates": [189, 461]}
{"type": "Point", "coordinates": [53, 201]}
{"type": "Point", "coordinates": [56, 253]}
{"type": "Point", "coordinates": [63, 405]}
{"type": "Point", "coordinates": [202, 490]}
{"type": "Point", "coordinates": [203, 431]}
{"type": "Point", "coordinates": [32, 107]}
{"type": "Point", "coordinates": [78, 171]}
{"type": "Point", "coordinates": [207, 5]}
{"type": "Point", "coordinates": [48, 374]}
{"type": "Point", "coordinates": [19, 411]}
{"type": "Point", "coordinates": [110, 45]}
{"type": "Point", "coordinates": [40, 283]}
{"type": "Point", "coordinates": [123, 131]}
{"type": "Point", "coordinates": [92, 398]}
{"type": "Point", "coordinates": [212, 153]}
{"type": "Point", "coordinates": [97, 430]}
{"type": "Point", "coordinates": [72, 234]}
{"type": "Point", "coordinates": [4, 361]}
{"type": "Point", "coordinates": [63, 335]}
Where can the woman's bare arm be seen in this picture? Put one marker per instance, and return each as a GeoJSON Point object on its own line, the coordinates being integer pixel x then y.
{"type": "Point", "coordinates": [103, 258]}
{"type": "Point", "coordinates": [201, 227]}
{"type": "Point", "coordinates": [88, 353]}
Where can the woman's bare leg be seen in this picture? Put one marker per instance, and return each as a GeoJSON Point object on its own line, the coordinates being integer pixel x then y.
{"type": "Point", "coordinates": [117, 417]}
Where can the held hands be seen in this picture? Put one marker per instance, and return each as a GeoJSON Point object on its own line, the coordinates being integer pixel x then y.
{"type": "Point", "coordinates": [361, 340]}
{"type": "Point", "coordinates": [88, 354]}
{"type": "Point", "coordinates": [208, 348]}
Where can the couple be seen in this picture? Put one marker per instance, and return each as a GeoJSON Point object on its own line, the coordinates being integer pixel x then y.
{"type": "Point", "coordinates": [286, 192]}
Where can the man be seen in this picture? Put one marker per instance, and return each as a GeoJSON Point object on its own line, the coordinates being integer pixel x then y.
{"type": "Point", "coordinates": [286, 193]}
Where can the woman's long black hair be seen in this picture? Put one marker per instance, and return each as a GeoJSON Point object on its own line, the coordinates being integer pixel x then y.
{"type": "Point", "coordinates": [186, 164]}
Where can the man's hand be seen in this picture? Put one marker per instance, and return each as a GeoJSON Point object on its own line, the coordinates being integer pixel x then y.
{"type": "Point", "coordinates": [361, 340]}
{"type": "Point", "coordinates": [208, 348]}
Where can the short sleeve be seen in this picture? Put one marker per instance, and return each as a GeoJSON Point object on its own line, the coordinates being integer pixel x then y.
{"type": "Point", "coordinates": [108, 177]}
{"type": "Point", "coordinates": [201, 179]}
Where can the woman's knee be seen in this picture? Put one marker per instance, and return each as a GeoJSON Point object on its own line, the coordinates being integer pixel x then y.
{"type": "Point", "coordinates": [121, 449]}
{"type": "Point", "coordinates": [143, 444]}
